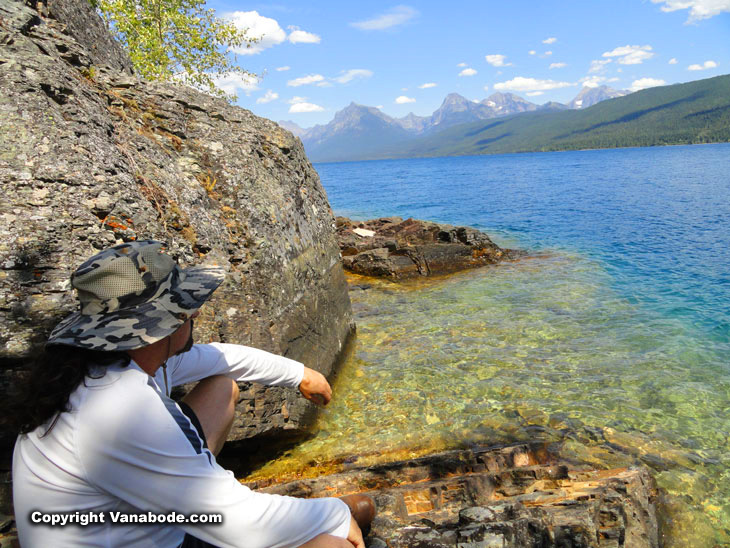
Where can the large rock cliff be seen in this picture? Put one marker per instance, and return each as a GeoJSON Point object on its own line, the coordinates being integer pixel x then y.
{"type": "Point", "coordinates": [90, 155]}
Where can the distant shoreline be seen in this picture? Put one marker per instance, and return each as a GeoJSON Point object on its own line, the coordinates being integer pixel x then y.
{"type": "Point", "coordinates": [521, 152]}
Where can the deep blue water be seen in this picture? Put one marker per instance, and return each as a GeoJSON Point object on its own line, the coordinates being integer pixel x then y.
{"type": "Point", "coordinates": [658, 219]}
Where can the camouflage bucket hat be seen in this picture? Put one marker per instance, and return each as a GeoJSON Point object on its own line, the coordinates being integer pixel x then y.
{"type": "Point", "coordinates": [133, 295]}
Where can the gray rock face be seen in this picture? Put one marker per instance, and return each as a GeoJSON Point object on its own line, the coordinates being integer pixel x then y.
{"type": "Point", "coordinates": [508, 497]}
{"type": "Point", "coordinates": [84, 26]}
{"type": "Point", "coordinates": [91, 156]}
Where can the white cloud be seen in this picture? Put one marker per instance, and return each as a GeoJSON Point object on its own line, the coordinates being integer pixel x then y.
{"type": "Point", "coordinates": [402, 100]}
{"type": "Point", "coordinates": [486, 88]}
{"type": "Point", "coordinates": [530, 84]}
{"type": "Point", "coordinates": [551, 40]}
{"type": "Point", "coordinates": [304, 80]}
{"type": "Point", "coordinates": [673, 61]}
{"type": "Point", "coordinates": [461, 65]}
{"type": "Point", "coordinates": [548, 53]}
{"type": "Point", "coordinates": [282, 69]}
{"type": "Point", "coordinates": [704, 66]}
{"type": "Point", "coordinates": [699, 9]}
{"type": "Point", "coordinates": [391, 18]}
{"type": "Point", "coordinates": [268, 97]}
{"type": "Point", "coordinates": [351, 74]}
{"type": "Point", "coordinates": [532, 52]}
{"type": "Point", "coordinates": [427, 85]}
{"type": "Point", "coordinates": [595, 81]}
{"type": "Point", "coordinates": [558, 65]}
{"type": "Point", "coordinates": [298, 36]}
{"type": "Point", "coordinates": [468, 72]}
{"type": "Point", "coordinates": [232, 83]}
{"type": "Point", "coordinates": [630, 55]}
{"type": "Point", "coordinates": [305, 107]}
{"type": "Point", "coordinates": [300, 104]}
{"type": "Point", "coordinates": [379, 107]}
{"type": "Point", "coordinates": [534, 93]}
{"type": "Point", "coordinates": [643, 83]}
{"type": "Point", "coordinates": [497, 60]}
{"type": "Point", "coordinates": [257, 26]}
{"type": "Point", "coordinates": [598, 65]}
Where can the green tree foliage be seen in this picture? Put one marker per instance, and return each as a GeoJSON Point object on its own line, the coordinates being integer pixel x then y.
{"type": "Point", "coordinates": [176, 40]}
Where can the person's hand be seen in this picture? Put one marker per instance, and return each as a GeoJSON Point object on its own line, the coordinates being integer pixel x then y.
{"type": "Point", "coordinates": [355, 535]}
{"type": "Point", "coordinates": [327, 541]}
{"type": "Point", "coordinates": [315, 387]}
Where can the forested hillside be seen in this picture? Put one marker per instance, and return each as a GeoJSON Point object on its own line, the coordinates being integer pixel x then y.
{"type": "Point", "coordinates": [695, 112]}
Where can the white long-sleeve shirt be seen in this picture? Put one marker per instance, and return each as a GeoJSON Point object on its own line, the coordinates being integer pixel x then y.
{"type": "Point", "coordinates": [126, 447]}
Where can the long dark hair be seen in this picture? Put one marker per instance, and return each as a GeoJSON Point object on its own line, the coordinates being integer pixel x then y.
{"type": "Point", "coordinates": [42, 391]}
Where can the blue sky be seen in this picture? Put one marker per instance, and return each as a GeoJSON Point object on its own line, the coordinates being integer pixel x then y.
{"type": "Point", "coordinates": [315, 58]}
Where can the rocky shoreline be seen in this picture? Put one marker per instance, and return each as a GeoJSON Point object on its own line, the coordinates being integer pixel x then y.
{"type": "Point", "coordinates": [511, 496]}
{"type": "Point", "coordinates": [401, 249]}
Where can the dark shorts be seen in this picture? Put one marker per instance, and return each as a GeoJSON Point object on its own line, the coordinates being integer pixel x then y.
{"type": "Point", "coordinates": [189, 413]}
{"type": "Point", "coordinates": [190, 541]}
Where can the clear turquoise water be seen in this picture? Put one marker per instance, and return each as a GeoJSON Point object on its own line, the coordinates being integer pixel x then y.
{"type": "Point", "coordinates": [614, 337]}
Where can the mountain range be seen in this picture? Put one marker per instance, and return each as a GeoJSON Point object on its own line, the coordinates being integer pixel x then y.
{"type": "Point", "coordinates": [359, 131]}
{"type": "Point", "coordinates": [679, 114]}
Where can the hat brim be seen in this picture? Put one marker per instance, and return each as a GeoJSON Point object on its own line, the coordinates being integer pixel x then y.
{"type": "Point", "coordinates": [146, 323]}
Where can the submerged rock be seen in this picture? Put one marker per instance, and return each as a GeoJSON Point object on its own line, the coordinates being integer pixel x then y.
{"type": "Point", "coordinates": [392, 247]}
{"type": "Point", "coordinates": [509, 497]}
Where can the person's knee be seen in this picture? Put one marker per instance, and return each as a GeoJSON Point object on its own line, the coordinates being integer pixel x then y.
{"type": "Point", "coordinates": [214, 402]}
{"type": "Point", "coordinates": [218, 388]}
{"type": "Point", "coordinates": [229, 393]}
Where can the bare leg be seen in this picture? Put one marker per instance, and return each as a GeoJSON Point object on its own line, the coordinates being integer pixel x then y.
{"type": "Point", "coordinates": [214, 401]}
{"type": "Point", "coordinates": [327, 541]}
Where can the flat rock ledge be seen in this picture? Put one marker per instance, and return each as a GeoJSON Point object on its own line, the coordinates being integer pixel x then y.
{"type": "Point", "coordinates": [392, 247]}
{"type": "Point", "coordinates": [513, 496]}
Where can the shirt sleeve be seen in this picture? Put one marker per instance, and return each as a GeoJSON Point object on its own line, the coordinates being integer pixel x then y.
{"type": "Point", "coordinates": [138, 451]}
{"type": "Point", "coordinates": [240, 363]}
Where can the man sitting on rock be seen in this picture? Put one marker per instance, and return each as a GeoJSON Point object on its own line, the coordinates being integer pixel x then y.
{"type": "Point", "coordinates": [102, 441]}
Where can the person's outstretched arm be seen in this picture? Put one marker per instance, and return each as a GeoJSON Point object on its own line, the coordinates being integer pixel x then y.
{"type": "Point", "coordinates": [244, 363]}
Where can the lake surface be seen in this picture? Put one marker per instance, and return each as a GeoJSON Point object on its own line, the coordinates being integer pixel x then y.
{"type": "Point", "coordinates": [613, 337]}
